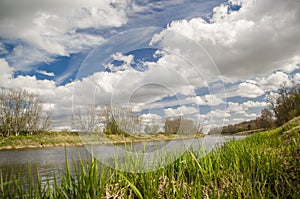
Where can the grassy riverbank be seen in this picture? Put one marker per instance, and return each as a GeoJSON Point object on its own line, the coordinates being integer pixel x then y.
{"type": "Point", "coordinates": [51, 139]}
{"type": "Point", "coordinates": [264, 165]}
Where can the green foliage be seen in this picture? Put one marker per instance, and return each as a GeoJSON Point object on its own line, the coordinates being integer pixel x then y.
{"type": "Point", "coordinates": [112, 127]}
{"type": "Point", "coordinates": [265, 165]}
{"type": "Point", "coordinates": [286, 105]}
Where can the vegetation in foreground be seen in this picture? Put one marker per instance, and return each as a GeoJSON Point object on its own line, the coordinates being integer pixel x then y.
{"type": "Point", "coordinates": [264, 165]}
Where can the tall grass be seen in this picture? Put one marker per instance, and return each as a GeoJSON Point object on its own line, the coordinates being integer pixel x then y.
{"type": "Point", "coordinates": [265, 165]}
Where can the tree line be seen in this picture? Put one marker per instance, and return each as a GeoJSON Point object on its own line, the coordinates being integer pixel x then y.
{"type": "Point", "coordinates": [281, 107]}
{"type": "Point", "coordinates": [21, 113]}
{"type": "Point", "coordinates": [120, 120]}
{"type": "Point", "coordinates": [107, 119]}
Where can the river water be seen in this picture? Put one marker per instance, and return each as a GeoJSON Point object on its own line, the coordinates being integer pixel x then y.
{"type": "Point", "coordinates": [46, 162]}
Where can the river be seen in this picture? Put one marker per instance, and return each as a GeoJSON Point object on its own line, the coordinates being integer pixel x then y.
{"type": "Point", "coordinates": [46, 162]}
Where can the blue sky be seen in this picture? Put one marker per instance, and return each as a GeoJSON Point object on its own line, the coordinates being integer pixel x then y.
{"type": "Point", "coordinates": [211, 61]}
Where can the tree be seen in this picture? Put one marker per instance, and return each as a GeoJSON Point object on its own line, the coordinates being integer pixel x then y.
{"type": "Point", "coordinates": [152, 128]}
{"type": "Point", "coordinates": [285, 104]}
{"type": "Point", "coordinates": [181, 125]}
{"type": "Point", "coordinates": [85, 119]}
{"type": "Point", "coordinates": [265, 120]}
{"type": "Point", "coordinates": [172, 125]}
{"type": "Point", "coordinates": [21, 113]}
{"type": "Point", "coordinates": [120, 120]}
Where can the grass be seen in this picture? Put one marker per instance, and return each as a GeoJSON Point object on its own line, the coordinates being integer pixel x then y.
{"type": "Point", "coordinates": [264, 165]}
{"type": "Point", "coordinates": [45, 139]}
{"type": "Point", "coordinates": [50, 139]}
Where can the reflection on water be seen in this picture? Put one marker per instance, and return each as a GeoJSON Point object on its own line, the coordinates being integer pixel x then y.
{"type": "Point", "coordinates": [48, 161]}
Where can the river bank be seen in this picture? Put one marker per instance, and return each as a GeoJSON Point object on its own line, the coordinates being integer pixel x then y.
{"type": "Point", "coordinates": [54, 139]}
{"type": "Point", "coordinates": [263, 165]}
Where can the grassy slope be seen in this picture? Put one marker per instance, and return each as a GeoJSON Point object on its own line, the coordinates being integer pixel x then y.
{"type": "Point", "coordinates": [264, 165]}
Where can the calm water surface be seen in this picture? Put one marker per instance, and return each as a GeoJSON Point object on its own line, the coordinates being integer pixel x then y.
{"type": "Point", "coordinates": [48, 161]}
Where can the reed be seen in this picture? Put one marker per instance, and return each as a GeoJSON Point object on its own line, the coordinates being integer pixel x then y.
{"type": "Point", "coordinates": [264, 165]}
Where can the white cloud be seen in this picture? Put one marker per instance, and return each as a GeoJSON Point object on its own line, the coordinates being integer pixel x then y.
{"type": "Point", "coordinates": [244, 108]}
{"type": "Point", "coordinates": [51, 74]}
{"type": "Point", "coordinates": [236, 108]}
{"type": "Point", "coordinates": [291, 66]}
{"type": "Point", "coordinates": [273, 81]}
{"type": "Point", "coordinates": [180, 111]}
{"type": "Point", "coordinates": [54, 27]}
{"type": "Point", "coordinates": [2, 49]}
{"type": "Point", "coordinates": [218, 114]}
{"type": "Point", "coordinates": [5, 72]}
{"type": "Point", "coordinates": [253, 104]}
{"type": "Point", "coordinates": [90, 90]}
{"type": "Point", "coordinates": [249, 90]}
{"type": "Point", "coordinates": [120, 57]}
{"type": "Point", "coordinates": [243, 43]}
{"type": "Point", "coordinates": [260, 37]}
{"type": "Point", "coordinates": [209, 100]}
{"type": "Point", "coordinates": [127, 61]}
{"type": "Point", "coordinates": [22, 57]}
{"type": "Point", "coordinates": [150, 118]}
{"type": "Point", "coordinates": [297, 78]}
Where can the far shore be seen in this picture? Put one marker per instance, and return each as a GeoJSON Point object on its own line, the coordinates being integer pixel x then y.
{"type": "Point", "coordinates": [62, 139]}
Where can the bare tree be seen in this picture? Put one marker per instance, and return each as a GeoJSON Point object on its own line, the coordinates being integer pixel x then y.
{"type": "Point", "coordinates": [119, 120]}
{"type": "Point", "coordinates": [153, 127]}
{"type": "Point", "coordinates": [46, 121]}
{"type": "Point", "coordinates": [85, 119]}
{"type": "Point", "coordinates": [20, 113]}
{"type": "Point", "coordinates": [126, 119]}
{"type": "Point", "coordinates": [181, 125]}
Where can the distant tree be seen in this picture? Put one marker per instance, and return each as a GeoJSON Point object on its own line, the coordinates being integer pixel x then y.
{"type": "Point", "coordinates": [120, 120]}
{"type": "Point", "coordinates": [215, 131]}
{"type": "Point", "coordinates": [266, 119]}
{"type": "Point", "coordinates": [172, 125]}
{"type": "Point", "coordinates": [181, 126]}
{"type": "Point", "coordinates": [21, 113]}
{"type": "Point", "coordinates": [152, 128]}
{"type": "Point", "coordinates": [85, 119]}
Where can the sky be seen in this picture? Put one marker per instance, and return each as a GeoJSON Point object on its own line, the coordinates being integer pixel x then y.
{"type": "Point", "coordinates": [213, 61]}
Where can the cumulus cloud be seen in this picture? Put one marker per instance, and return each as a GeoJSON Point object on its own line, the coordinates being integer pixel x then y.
{"type": "Point", "coordinates": [292, 65]}
{"type": "Point", "coordinates": [258, 38]}
{"type": "Point", "coordinates": [249, 90]}
{"type": "Point", "coordinates": [127, 61]}
{"type": "Point", "coordinates": [180, 111]}
{"type": "Point", "coordinates": [5, 72]}
{"type": "Point", "coordinates": [273, 82]}
{"type": "Point", "coordinates": [296, 78]}
{"type": "Point", "coordinates": [243, 108]}
{"type": "Point", "coordinates": [209, 100]}
{"type": "Point", "coordinates": [152, 119]}
{"type": "Point", "coordinates": [53, 27]}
